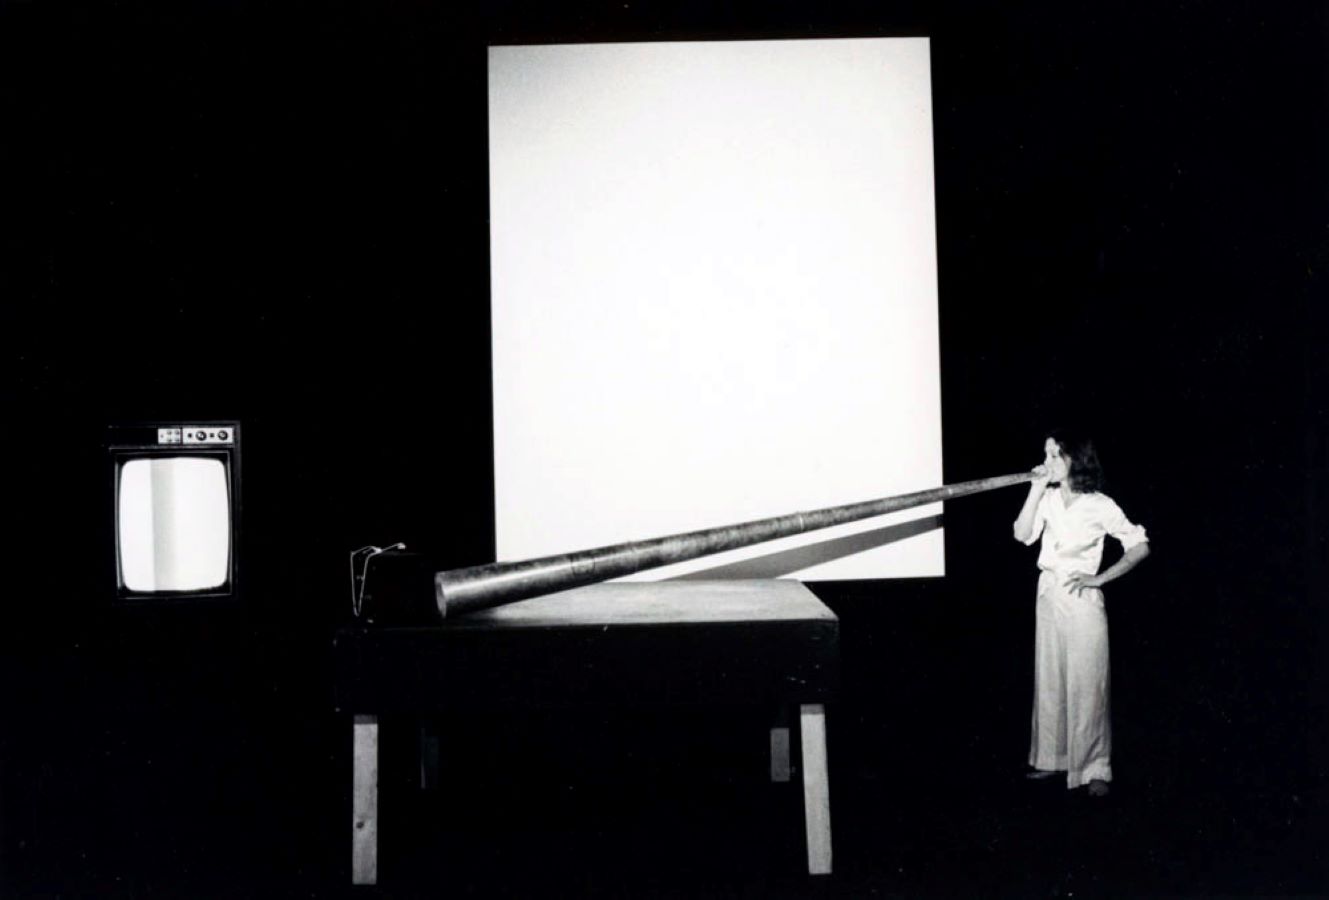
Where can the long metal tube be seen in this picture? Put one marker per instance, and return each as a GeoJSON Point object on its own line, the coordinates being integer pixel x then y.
{"type": "Point", "coordinates": [495, 584]}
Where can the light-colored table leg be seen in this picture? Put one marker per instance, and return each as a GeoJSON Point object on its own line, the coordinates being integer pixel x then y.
{"type": "Point", "coordinates": [816, 787]}
{"type": "Point", "coordinates": [364, 825]}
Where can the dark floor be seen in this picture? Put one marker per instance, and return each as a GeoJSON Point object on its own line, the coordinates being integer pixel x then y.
{"type": "Point", "coordinates": [675, 828]}
{"type": "Point", "coordinates": [224, 781]}
{"type": "Point", "coordinates": [637, 805]}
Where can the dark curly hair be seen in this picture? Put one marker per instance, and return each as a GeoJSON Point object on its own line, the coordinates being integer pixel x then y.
{"type": "Point", "coordinates": [1086, 471]}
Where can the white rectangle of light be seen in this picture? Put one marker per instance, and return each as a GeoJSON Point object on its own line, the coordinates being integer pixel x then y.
{"type": "Point", "coordinates": [714, 297]}
{"type": "Point", "coordinates": [174, 524]}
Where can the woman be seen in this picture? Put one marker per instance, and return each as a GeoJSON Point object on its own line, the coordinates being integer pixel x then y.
{"type": "Point", "coordinates": [1072, 729]}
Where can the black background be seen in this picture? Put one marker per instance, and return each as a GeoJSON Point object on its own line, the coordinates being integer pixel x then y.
{"type": "Point", "coordinates": [277, 213]}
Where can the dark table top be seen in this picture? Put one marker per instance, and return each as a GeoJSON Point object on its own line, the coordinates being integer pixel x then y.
{"type": "Point", "coordinates": [767, 641]}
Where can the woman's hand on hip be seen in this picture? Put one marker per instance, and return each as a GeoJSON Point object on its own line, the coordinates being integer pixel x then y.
{"type": "Point", "coordinates": [1079, 581]}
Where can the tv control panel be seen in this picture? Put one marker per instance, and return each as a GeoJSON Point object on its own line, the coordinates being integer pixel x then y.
{"type": "Point", "coordinates": [195, 435]}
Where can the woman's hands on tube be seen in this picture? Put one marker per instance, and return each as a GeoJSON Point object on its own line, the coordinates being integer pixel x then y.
{"type": "Point", "coordinates": [1023, 527]}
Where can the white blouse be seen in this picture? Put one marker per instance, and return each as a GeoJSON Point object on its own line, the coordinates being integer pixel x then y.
{"type": "Point", "coordinates": [1073, 535]}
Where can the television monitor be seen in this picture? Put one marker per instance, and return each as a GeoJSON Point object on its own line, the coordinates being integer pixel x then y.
{"type": "Point", "coordinates": [176, 510]}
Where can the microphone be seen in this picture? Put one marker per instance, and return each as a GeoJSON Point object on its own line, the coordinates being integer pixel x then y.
{"type": "Point", "coordinates": [362, 556]}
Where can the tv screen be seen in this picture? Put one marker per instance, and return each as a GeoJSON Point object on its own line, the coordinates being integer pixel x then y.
{"type": "Point", "coordinates": [174, 524]}
{"type": "Point", "coordinates": [714, 298]}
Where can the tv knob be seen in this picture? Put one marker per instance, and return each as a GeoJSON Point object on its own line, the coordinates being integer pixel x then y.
{"type": "Point", "coordinates": [221, 435]}
{"type": "Point", "coordinates": [201, 435]}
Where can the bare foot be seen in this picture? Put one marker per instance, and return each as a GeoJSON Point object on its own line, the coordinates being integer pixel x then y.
{"type": "Point", "coordinates": [1098, 788]}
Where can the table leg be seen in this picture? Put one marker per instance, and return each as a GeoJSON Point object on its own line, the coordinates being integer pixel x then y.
{"type": "Point", "coordinates": [816, 787]}
{"type": "Point", "coordinates": [364, 831]}
{"type": "Point", "coordinates": [428, 755]}
{"type": "Point", "coordinates": [781, 768]}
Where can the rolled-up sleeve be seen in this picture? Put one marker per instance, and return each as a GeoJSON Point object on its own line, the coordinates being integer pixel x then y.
{"type": "Point", "coordinates": [1040, 519]}
{"type": "Point", "coordinates": [1123, 529]}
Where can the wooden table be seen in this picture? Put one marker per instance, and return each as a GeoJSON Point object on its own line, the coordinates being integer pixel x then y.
{"type": "Point", "coordinates": [761, 642]}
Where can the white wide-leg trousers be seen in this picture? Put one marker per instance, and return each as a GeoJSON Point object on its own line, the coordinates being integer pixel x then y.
{"type": "Point", "coordinates": [1072, 727]}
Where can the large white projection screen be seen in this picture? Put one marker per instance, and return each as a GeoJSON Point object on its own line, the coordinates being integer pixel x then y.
{"type": "Point", "coordinates": [714, 292]}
